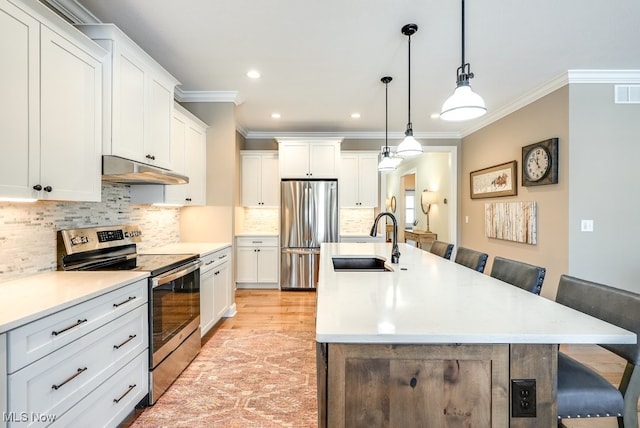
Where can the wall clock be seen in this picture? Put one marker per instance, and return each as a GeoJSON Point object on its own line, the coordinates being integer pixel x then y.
{"type": "Point", "coordinates": [540, 163]}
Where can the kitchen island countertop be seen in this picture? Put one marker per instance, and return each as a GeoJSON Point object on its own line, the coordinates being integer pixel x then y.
{"type": "Point", "coordinates": [36, 296]}
{"type": "Point", "coordinates": [428, 299]}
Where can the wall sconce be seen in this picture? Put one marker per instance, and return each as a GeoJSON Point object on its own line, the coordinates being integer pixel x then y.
{"type": "Point", "coordinates": [426, 199]}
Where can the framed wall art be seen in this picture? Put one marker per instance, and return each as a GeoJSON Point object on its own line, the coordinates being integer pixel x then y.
{"type": "Point", "coordinates": [496, 181]}
{"type": "Point", "coordinates": [511, 221]}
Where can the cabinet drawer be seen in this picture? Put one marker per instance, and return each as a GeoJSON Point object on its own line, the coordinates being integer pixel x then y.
{"type": "Point", "coordinates": [32, 341]}
{"type": "Point", "coordinates": [53, 384]}
{"type": "Point", "coordinates": [215, 259]}
{"type": "Point", "coordinates": [112, 402]}
{"type": "Point", "coordinates": [257, 241]}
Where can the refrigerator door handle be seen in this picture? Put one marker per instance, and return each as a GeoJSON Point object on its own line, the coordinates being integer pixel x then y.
{"type": "Point", "coordinates": [300, 250]}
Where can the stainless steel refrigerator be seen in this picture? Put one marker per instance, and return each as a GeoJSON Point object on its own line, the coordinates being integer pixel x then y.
{"type": "Point", "coordinates": [308, 217]}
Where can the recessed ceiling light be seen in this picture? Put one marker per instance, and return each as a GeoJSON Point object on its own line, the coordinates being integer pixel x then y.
{"type": "Point", "coordinates": [434, 115]}
{"type": "Point", "coordinates": [253, 74]}
{"type": "Point", "coordinates": [355, 115]}
{"type": "Point", "coordinates": [275, 115]}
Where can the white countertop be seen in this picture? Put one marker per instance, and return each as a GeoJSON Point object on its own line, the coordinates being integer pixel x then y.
{"type": "Point", "coordinates": [201, 248]}
{"type": "Point", "coordinates": [428, 299]}
{"type": "Point", "coordinates": [27, 299]}
{"type": "Point", "coordinates": [257, 234]}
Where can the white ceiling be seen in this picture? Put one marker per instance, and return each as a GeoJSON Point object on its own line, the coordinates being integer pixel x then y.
{"type": "Point", "coordinates": [323, 60]}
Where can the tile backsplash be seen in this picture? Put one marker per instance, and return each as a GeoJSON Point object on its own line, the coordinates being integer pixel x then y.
{"type": "Point", "coordinates": [259, 220]}
{"type": "Point", "coordinates": [356, 221]}
{"type": "Point", "coordinates": [28, 230]}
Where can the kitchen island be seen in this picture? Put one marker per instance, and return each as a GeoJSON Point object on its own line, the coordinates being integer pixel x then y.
{"type": "Point", "coordinates": [433, 343]}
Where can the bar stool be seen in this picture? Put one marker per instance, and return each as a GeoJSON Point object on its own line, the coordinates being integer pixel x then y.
{"type": "Point", "coordinates": [471, 258]}
{"type": "Point", "coordinates": [520, 274]}
{"type": "Point", "coordinates": [583, 393]}
{"type": "Point", "coordinates": [442, 249]}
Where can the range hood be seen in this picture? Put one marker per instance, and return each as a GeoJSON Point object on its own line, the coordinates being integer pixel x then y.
{"type": "Point", "coordinates": [120, 170]}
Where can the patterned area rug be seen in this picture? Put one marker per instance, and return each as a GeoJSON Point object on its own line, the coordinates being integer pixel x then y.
{"type": "Point", "coordinates": [243, 379]}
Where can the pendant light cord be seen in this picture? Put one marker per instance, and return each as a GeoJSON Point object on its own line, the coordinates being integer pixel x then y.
{"type": "Point", "coordinates": [386, 117]}
{"type": "Point", "coordinates": [463, 34]}
{"type": "Point", "coordinates": [409, 127]}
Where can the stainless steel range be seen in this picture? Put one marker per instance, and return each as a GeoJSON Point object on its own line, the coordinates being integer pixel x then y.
{"type": "Point", "coordinates": [174, 293]}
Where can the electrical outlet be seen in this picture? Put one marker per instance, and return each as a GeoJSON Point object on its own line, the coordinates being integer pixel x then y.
{"type": "Point", "coordinates": [523, 398]}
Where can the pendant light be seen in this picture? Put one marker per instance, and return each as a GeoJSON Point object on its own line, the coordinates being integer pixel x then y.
{"type": "Point", "coordinates": [409, 146]}
{"type": "Point", "coordinates": [464, 104]}
{"type": "Point", "coordinates": [386, 164]}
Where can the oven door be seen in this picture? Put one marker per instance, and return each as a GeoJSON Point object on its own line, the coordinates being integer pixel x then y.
{"type": "Point", "coordinates": [175, 309]}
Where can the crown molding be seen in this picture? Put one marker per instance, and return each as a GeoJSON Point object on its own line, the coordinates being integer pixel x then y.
{"type": "Point", "coordinates": [570, 77]}
{"type": "Point", "coordinates": [348, 135]}
{"type": "Point", "coordinates": [207, 96]}
{"type": "Point", "coordinates": [526, 99]}
{"type": "Point", "coordinates": [73, 11]}
{"type": "Point", "coordinates": [604, 76]}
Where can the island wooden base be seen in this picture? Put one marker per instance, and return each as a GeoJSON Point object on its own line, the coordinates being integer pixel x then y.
{"type": "Point", "coordinates": [432, 385]}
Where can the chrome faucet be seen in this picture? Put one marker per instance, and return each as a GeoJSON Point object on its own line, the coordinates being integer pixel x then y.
{"type": "Point", "coordinates": [395, 252]}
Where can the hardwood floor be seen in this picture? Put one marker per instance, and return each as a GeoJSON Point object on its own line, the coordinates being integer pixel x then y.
{"type": "Point", "coordinates": [295, 310]}
{"type": "Point", "coordinates": [274, 310]}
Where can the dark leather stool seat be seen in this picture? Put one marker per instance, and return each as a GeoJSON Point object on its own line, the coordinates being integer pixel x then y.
{"type": "Point", "coordinates": [520, 274]}
{"type": "Point", "coordinates": [582, 393]}
{"type": "Point", "coordinates": [471, 258]}
{"type": "Point", "coordinates": [442, 249]}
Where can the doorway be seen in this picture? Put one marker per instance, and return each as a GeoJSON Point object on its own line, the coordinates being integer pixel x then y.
{"type": "Point", "coordinates": [408, 207]}
{"type": "Point", "coordinates": [436, 170]}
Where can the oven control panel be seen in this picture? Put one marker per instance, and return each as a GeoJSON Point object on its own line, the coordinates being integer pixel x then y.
{"type": "Point", "coordinates": [96, 238]}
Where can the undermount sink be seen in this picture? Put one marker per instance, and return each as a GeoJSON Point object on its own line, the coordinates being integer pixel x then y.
{"type": "Point", "coordinates": [360, 264]}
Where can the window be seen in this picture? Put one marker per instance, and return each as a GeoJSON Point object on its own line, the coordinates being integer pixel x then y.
{"type": "Point", "coordinates": [409, 207]}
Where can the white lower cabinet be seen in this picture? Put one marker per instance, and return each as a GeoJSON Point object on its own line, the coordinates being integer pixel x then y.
{"type": "Point", "coordinates": [216, 288]}
{"type": "Point", "coordinates": [257, 262]}
{"type": "Point", "coordinates": [74, 380]}
{"type": "Point", "coordinates": [112, 401]}
{"type": "Point", "coordinates": [222, 291]}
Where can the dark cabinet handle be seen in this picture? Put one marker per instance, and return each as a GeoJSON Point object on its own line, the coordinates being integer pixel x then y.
{"type": "Point", "coordinates": [152, 157]}
{"type": "Point", "coordinates": [48, 189]}
{"type": "Point", "coordinates": [216, 272]}
{"type": "Point", "coordinates": [117, 400]}
{"type": "Point", "coordinates": [131, 337]}
{"type": "Point", "coordinates": [69, 379]}
{"type": "Point", "coordinates": [37, 187]}
{"type": "Point", "coordinates": [115, 305]}
{"type": "Point", "coordinates": [188, 199]}
{"type": "Point", "coordinates": [55, 333]}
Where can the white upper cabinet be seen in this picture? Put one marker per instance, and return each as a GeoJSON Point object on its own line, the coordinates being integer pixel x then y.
{"type": "Point", "coordinates": [188, 157]}
{"type": "Point", "coordinates": [138, 99]}
{"type": "Point", "coordinates": [51, 104]}
{"type": "Point", "coordinates": [260, 182]}
{"type": "Point", "coordinates": [309, 158]}
{"type": "Point", "coordinates": [359, 180]}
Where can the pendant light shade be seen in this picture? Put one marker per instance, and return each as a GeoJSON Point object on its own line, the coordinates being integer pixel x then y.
{"type": "Point", "coordinates": [464, 104]}
{"type": "Point", "coordinates": [386, 163]}
{"type": "Point", "coordinates": [409, 146]}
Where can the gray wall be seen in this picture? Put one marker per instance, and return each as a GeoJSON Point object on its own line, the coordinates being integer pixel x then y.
{"type": "Point", "coordinates": [604, 171]}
